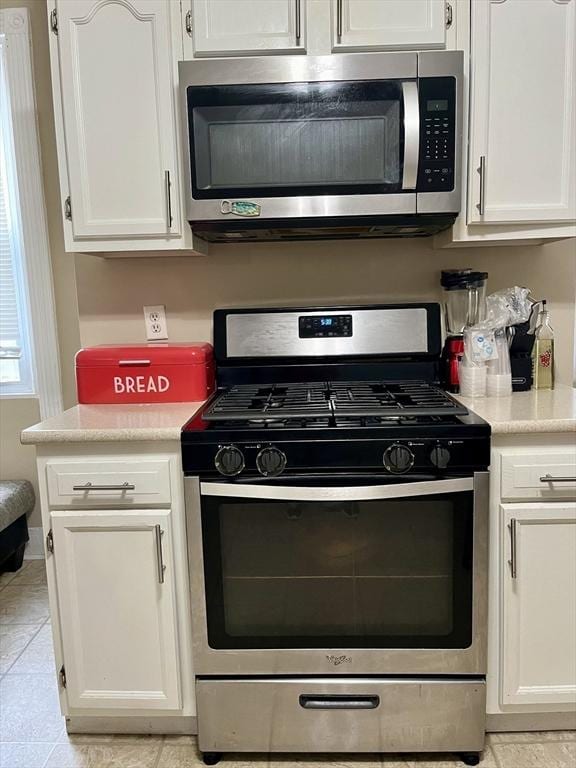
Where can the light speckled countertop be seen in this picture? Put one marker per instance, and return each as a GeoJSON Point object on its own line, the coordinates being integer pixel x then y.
{"type": "Point", "coordinates": [539, 410]}
{"type": "Point", "coordinates": [523, 412]}
{"type": "Point", "coordinates": [102, 423]}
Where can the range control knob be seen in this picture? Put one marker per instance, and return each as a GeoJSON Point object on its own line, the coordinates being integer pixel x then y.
{"type": "Point", "coordinates": [271, 462]}
{"type": "Point", "coordinates": [229, 461]}
{"type": "Point", "coordinates": [398, 459]}
{"type": "Point", "coordinates": [440, 456]}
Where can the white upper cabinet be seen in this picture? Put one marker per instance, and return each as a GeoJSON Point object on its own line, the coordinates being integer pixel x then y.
{"type": "Point", "coordinates": [522, 112]}
{"type": "Point", "coordinates": [117, 609]}
{"type": "Point", "coordinates": [379, 25]}
{"type": "Point", "coordinates": [538, 561]}
{"type": "Point", "coordinates": [236, 27]}
{"type": "Point", "coordinates": [116, 83]}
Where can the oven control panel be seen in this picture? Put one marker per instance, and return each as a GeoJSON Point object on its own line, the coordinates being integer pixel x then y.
{"type": "Point", "coordinates": [437, 134]}
{"type": "Point", "coordinates": [388, 458]}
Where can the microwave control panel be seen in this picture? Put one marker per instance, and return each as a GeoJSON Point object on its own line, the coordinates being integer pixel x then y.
{"type": "Point", "coordinates": [437, 97]}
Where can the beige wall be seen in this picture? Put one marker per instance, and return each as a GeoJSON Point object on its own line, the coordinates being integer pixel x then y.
{"type": "Point", "coordinates": [111, 292]}
{"type": "Point", "coordinates": [18, 462]}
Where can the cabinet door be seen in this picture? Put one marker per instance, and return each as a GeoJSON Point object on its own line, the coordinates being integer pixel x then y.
{"type": "Point", "coordinates": [116, 72]}
{"type": "Point", "coordinates": [388, 24]}
{"type": "Point", "coordinates": [538, 594]}
{"type": "Point", "coordinates": [522, 112]}
{"type": "Point", "coordinates": [117, 608]}
{"type": "Point", "coordinates": [223, 27]}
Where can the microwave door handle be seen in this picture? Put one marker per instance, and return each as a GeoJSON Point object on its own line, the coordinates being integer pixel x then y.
{"type": "Point", "coordinates": [411, 134]}
{"type": "Point", "coordinates": [336, 493]}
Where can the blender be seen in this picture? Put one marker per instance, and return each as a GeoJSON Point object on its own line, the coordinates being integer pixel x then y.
{"type": "Point", "coordinates": [464, 305]}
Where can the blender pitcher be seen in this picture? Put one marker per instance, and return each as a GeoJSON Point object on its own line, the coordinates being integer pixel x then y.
{"type": "Point", "coordinates": [464, 305]}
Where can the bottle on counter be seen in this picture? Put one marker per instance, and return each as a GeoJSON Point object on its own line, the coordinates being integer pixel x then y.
{"type": "Point", "coordinates": [543, 352]}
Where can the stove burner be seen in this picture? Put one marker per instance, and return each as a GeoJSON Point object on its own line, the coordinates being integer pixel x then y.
{"type": "Point", "coordinates": [396, 401]}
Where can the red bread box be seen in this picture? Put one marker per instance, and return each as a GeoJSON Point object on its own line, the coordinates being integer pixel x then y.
{"type": "Point", "coordinates": [145, 373]}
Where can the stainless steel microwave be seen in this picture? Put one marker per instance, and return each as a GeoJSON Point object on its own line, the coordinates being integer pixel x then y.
{"type": "Point", "coordinates": [340, 146]}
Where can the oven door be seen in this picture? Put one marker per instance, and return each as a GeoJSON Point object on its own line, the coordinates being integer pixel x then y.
{"type": "Point", "coordinates": [290, 149]}
{"type": "Point", "coordinates": [298, 578]}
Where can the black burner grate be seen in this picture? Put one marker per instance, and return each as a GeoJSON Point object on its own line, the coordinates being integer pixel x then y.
{"type": "Point", "coordinates": [332, 399]}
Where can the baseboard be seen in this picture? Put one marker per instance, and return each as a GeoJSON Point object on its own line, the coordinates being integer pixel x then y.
{"type": "Point", "coordinates": [175, 725]}
{"type": "Point", "coordinates": [531, 721]}
{"type": "Point", "coordinates": [35, 547]}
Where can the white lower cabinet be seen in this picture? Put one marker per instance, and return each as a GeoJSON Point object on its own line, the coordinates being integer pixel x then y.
{"type": "Point", "coordinates": [531, 679]}
{"type": "Point", "coordinates": [538, 603]}
{"type": "Point", "coordinates": [115, 580]}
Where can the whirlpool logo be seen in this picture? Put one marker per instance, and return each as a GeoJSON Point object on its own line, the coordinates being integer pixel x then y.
{"type": "Point", "coordinates": [337, 660]}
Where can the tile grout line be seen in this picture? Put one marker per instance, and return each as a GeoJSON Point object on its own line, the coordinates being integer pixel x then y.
{"type": "Point", "coordinates": [40, 626]}
{"type": "Point", "coordinates": [496, 758]}
{"type": "Point", "coordinates": [160, 750]}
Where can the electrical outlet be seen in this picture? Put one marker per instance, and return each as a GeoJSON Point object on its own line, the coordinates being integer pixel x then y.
{"type": "Point", "coordinates": [155, 320]}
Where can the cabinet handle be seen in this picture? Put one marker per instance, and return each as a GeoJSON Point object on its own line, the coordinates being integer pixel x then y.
{"type": "Point", "coordinates": [513, 555]}
{"type": "Point", "coordinates": [188, 23]}
{"type": "Point", "coordinates": [552, 479]}
{"type": "Point", "coordinates": [339, 20]}
{"type": "Point", "coordinates": [159, 557]}
{"type": "Point", "coordinates": [118, 487]}
{"type": "Point", "coordinates": [298, 22]}
{"type": "Point", "coordinates": [482, 171]}
{"type": "Point", "coordinates": [168, 198]}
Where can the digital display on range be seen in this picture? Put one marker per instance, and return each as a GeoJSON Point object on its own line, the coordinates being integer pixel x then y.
{"type": "Point", "coordinates": [325, 326]}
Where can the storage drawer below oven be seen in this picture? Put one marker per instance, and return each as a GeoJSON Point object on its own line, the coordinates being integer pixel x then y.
{"type": "Point", "coordinates": [351, 715]}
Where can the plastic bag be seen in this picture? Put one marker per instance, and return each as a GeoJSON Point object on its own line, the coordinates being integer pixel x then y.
{"type": "Point", "coordinates": [509, 306]}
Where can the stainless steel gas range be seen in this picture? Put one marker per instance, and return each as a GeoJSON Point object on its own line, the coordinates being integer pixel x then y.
{"type": "Point", "coordinates": [337, 505]}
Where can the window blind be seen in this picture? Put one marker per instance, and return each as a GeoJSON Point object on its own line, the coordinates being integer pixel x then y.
{"type": "Point", "coordinates": [10, 326]}
{"type": "Point", "coordinates": [29, 361]}
{"type": "Point", "coordinates": [15, 357]}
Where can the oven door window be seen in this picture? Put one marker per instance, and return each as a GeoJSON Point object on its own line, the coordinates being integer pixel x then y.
{"type": "Point", "coordinates": [296, 139]}
{"type": "Point", "coordinates": [394, 573]}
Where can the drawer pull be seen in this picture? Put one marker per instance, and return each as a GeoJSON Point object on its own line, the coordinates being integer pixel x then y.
{"type": "Point", "coordinates": [333, 701]}
{"type": "Point", "coordinates": [118, 487]}
{"type": "Point", "coordinates": [552, 479]}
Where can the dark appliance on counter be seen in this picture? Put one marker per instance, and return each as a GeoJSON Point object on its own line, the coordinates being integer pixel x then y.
{"type": "Point", "coordinates": [337, 525]}
{"type": "Point", "coordinates": [521, 356]}
{"type": "Point", "coordinates": [464, 305]}
{"type": "Point", "coordinates": [341, 146]}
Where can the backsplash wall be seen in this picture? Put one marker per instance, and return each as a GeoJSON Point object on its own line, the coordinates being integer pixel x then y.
{"type": "Point", "coordinates": [111, 293]}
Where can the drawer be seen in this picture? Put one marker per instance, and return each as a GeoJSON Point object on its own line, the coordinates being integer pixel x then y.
{"type": "Point", "coordinates": [523, 476]}
{"type": "Point", "coordinates": [116, 482]}
{"type": "Point", "coordinates": [332, 715]}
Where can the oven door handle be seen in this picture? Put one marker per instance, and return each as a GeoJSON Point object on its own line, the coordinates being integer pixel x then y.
{"type": "Point", "coordinates": [411, 134]}
{"type": "Point", "coordinates": [337, 493]}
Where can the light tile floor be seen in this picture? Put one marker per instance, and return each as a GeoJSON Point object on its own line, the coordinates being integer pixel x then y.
{"type": "Point", "coordinates": [32, 732]}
